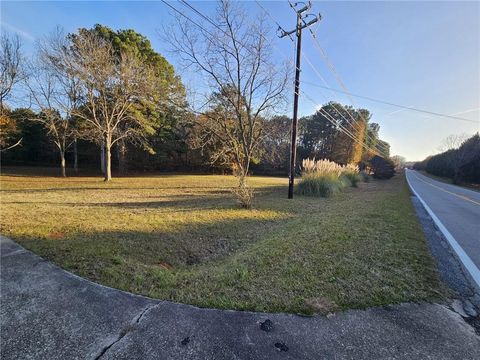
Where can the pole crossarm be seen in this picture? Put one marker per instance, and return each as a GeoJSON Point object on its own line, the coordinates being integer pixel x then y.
{"type": "Point", "coordinates": [306, 6]}
{"type": "Point", "coordinates": [305, 25]}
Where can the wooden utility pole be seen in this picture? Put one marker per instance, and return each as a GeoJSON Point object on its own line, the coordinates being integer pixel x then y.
{"type": "Point", "coordinates": [301, 24]}
{"type": "Point", "coordinates": [75, 156]}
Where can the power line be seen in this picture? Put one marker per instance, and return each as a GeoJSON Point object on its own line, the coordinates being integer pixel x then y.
{"type": "Point", "coordinates": [343, 129]}
{"type": "Point", "coordinates": [247, 48]}
{"type": "Point", "coordinates": [338, 78]}
{"type": "Point", "coordinates": [350, 135]}
{"type": "Point", "coordinates": [330, 64]}
{"type": "Point", "coordinates": [273, 19]}
{"type": "Point", "coordinates": [348, 93]}
{"type": "Point", "coordinates": [202, 15]}
{"type": "Point", "coordinates": [355, 121]}
{"type": "Point", "coordinates": [321, 77]}
{"type": "Point", "coordinates": [338, 111]}
{"type": "Point", "coordinates": [186, 17]}
{"type": "Point", "coordinates": [332, 68]}
{"type": "Point", "coordinates": [217, 26]}
{"type": "Point", "coordinates": [391, 104]}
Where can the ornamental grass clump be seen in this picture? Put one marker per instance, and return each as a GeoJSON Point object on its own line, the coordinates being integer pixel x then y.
{"type": "Point", "coordinates": [325, 178]}
{"type": "Point", "coordinates": [321, 167]}
{"type": "Point", "coordinates": [317, 184]}
{"type": "Point", "coordinates": [351, 174]}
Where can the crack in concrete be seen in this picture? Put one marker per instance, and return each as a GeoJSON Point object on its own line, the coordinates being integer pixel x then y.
{"type": "Point", "coordinates": [126, 330]}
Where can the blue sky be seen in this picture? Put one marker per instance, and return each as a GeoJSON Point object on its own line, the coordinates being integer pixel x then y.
{"type": "Point", "coordinates": [423, 54]}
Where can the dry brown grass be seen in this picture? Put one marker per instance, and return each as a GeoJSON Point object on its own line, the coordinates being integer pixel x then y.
{"type": "Point", "coordinates": [184, 238]}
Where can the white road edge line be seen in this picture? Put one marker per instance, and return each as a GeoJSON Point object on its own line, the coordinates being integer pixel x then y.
{"type": "Point", "coordinates": [462, 255]}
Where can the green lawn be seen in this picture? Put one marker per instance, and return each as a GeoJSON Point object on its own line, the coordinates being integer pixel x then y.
{"type": "Point", "coordinates": [184, 238]}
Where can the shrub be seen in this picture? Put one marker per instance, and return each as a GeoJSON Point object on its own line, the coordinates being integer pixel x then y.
{"type": "Point", "coordinates": [317, 184]}
{"type": "Point", "coordinates": [382, 168]}
{"type": "Point", "coordinates": [244, 195]}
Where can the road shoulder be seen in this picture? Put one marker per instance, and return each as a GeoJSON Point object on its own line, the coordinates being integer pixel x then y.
{"type": "Point", "coordinates": [465, 292]}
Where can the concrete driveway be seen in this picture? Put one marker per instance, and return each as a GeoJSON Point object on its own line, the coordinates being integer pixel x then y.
{"type": "Point", "coordinates": [48, 313]}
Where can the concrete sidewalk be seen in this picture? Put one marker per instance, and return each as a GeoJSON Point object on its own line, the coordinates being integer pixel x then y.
{"type": "Point", "coordinates": [48, 313]}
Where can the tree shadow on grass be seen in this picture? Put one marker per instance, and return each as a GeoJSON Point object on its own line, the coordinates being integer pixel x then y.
{"type": "Point", "coordinates": [55, 172]}
{"type": "Point", "coordinates": [106, 188]}
{"type": "Point", "coordinates": [181, 246]}
{"type": "Point", "coordinates": [172, 202]}
{"type": "Point", "coordinates": [208, 199]}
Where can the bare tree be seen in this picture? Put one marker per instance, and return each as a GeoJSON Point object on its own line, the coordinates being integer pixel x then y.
{"type": "Point", "coordinates": [55, 90]}
{"type": "Point", "coordinates": [458, 153]}
{"type": "Point", "coordinates": [399, 161]}
{"type": "Point", "coordinates": [11, 61]}
{"type": "Point", "coordinates": [235, 55]}
{"type": "Point", "coordinates": [47, 95]}
{"type": "Point", "coordinates": [11, 72]}
{"type": "Point", "coordinates": [111, 89]}
{"type": "Point", "coordinates": [452, 141]}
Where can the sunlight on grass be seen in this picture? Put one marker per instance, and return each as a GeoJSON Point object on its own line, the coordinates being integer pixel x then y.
{"type": "Point", "coordinates": [184, 238]}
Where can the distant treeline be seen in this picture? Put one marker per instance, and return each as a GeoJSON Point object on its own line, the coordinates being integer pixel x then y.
{"type": "Point", "coordinates": [175, 150]}
{"type": "Point", "coordinates": [461, 164]}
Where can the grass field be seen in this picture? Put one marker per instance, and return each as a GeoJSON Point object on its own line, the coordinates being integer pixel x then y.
{"type": "Point", "coordinates": [184, 238]}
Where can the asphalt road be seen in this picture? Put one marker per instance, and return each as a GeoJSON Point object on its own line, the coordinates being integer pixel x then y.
{"type": "Point", "coordinates": [48, 313]}
{"type": "Point", "coordinates": [457, 208]}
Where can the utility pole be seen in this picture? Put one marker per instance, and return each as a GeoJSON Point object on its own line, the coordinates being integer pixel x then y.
{"type": "Point", "coordinates": [301, 24]}
{"type": "Point", "coordinates": [75, 156]}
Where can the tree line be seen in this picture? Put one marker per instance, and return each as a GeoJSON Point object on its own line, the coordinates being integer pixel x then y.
{"type": "Point", "coordinates": [100, 98]}
{"type": "Point", "coordinates": [460, 161]}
